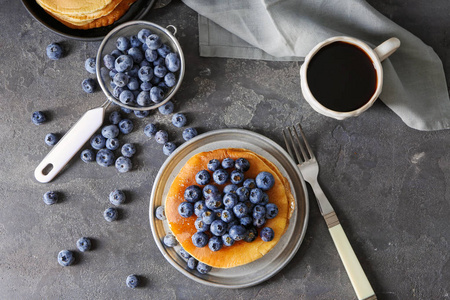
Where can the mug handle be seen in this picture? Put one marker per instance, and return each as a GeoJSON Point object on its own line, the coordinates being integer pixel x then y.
{"type": "Point", "coordinates": [387, 48]}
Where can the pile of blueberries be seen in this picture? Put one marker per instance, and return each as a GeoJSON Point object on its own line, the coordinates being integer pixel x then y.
{"type": "Point", "coordinates": [234, 214]}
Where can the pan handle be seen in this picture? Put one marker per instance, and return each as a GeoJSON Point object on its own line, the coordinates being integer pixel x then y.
{"type": "Point", "coordinates": [69, 145]}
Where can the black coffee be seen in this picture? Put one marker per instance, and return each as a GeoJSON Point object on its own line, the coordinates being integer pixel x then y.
{"type": "Point", "coordinates": [342, 77]}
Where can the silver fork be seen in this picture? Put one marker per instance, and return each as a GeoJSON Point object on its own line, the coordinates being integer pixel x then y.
{"type": "Point", "coordinates": [309, 168]}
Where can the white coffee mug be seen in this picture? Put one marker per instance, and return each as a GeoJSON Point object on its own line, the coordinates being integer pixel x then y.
{"type": "Point", "coordinates": [376, 55]}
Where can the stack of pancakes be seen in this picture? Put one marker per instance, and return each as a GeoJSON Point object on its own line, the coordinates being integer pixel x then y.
{"type": "Point", "coordinates": [241, 252]}
{"type": "Point", "coordinates": [86, 14]}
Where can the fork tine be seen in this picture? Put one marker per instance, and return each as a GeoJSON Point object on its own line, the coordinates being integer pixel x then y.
{"type": "Point", "coordinates": [288, 145]}
{"type": "Point", "coordinates": [299, 157]}
{"type": "Point", "coordinates": [310, 152]}
{"type": "Point", "coordinates": [299, 143]}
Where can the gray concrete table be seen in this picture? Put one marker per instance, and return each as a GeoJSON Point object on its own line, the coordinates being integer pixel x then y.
{"type": "Point", "coordinates": [387, 182]}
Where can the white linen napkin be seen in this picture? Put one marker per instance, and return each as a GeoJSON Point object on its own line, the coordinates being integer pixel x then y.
{"type": "Point", "coordinates": [414, 81]}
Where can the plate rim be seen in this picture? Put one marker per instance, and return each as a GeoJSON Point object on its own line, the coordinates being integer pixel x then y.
{"type": "Point", "coordinates": [152, 218]}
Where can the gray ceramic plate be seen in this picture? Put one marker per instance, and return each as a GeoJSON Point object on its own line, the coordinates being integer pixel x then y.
{"type": "Point", "coordinates": [263, 268]}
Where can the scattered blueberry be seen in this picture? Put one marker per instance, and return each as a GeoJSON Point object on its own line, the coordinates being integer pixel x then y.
{"type": "Point", "coordinates": [54, 51]}
{"type": "Point", "coordinates": [192, 193]}
{"type": "Point", "coordinates": [179, 120]}
{"type": "Point", "coordinates": [87, 155]}
{"type": "Point", "coordinates": [170, 80]}
{"type": "Point", "coordinates": [220, 176]}
{"type": "Point", "coordinates": [38, 117]}
{"type": "Point", "coordinates": [267, 234]}
{"type": "Point", "coordinates": [132, 281]}
{"type": "Point", "coordinates": [157, 95]}
{"type": "Point", "coordinates": [153, 41]}
{"type": "Point", "coordinates": [243, 193]}
{"type": "Point", "coordinates": [122, 43]}
{"type": "Point", "coordinates": [184, 253]}
{"type": "Point", "coordinates": [230, 200]}
{"type": "Point", "coordinates": [128, 150]}
{"type": "Point", "coordinates": [189, 133]}
{"type": "Point", "coordinates": [160, 71]}
{"type": "Point", "coordinates": [237, 232]}
{"type": "Point", "coordinates": [168, 148]}
{"type": "Point", "coordinates": [186, 209]}
{"type": "Point", "coordinates": [143, 34]}
{"type": "Point", "coordinates": [209, 190]}
{"type": "Point", "coordinates": [218, 227]}
{"type": "Point", "coordinates": [98, 142]}
{"type": "Point", "coordinates": [170, 241]}
{"type": "Point", "coordinates": [230, 189]}
{"type": "Point", "coordinates": [251, 235]}
{"type": "Point", "coordinates": [84, 244]}
{"type": "Point", "coordinates": [51, 139]}
{"type": "Point", "coordinates": [242, 164]}
{"type": "Point", "coordinates": [256, 195]}
{"type": "Point", "coordinates": [199, 208]}
{"type": "Point", "coordinates": [111, 214]}
{"type": "Point", "coordinates": [105, 157]}
{"type": "Point", "coordinates": [126, 126]}
{"type": "Point", "coordinates": [172, 62]}
{"type": "Point", "coordinates": [271, 210]}
{"type": "Point", "coordinates": [117, 197]}
{"type": "Point", "coordinates": [163, 50]}
{"type": "Point", "coordinates": [143, 99]}
{"type": "Point", "coordinates": [161, 137]}
{"type": "Point", "coordinates": [150, 130]}
{"type": "Point", "coordinates": [120, 79]}
{"type": "Point", "coordinates": [123, 164]}
{"type": "Point", "coordinates": [227, 163]}
{"type": "Point", "coordinates": [200, 239]}
{"type": "Point", "coordinates": [259, 222]}
{"type": "Point", "coordinates": [259, 212]}
{"type": "Point", "coordinates": [123, 63]}
{"type": "Point", "coordinates": [51, 197]}
{"type": "Point", "coordinates": [160, 213]}
{"type": "Point", "coordinates": [146, 86]}
{"type": "Point", "coordinates": [141, 113]}
{"type": "Point", "coordinates": [151, 55]}
{"type": "Point", "coordinates": [192, 263]}
{"type": "Point", "coordinates": [203, 268]}
{"type": "Point", "coordinates": [145, 73]}
{"type": "Point", "coordinates": [227, 215]}
{"type": "Point", "coordinates": [246, 220]}
{"type": "Point", "coordinates": [227, 240]}
{"type": "Point", "coordinates": [109, 61]}
{"type": "Point", "coordinates": [66, 258]}
{"type": "Point", "coordinates": [200, 225]}
{"type": "Point", "coordinates": [265, 181]}
{"type": "Point", "coordinates": [89, 65]}
{"type": "Point", "coordinates": [88, 85]}
{"type": "Point", "coordinates": [215, 243]}
{"type": "Point", "coordinates": [136, 54]}
{"type": "Point", "coordinates": [249, 183]}
{"type": "Point", "coordinates": [208, 217]}
{"type": "Point", "coordinates": [112, 144]}
{"type": "Point", "coordinates": [202, 177]}
{"type": "Point", "coordinates": [110, 131]}
{"type": "Point", "coordinates": [116, 53]}
{"type": "Point", "coordinates": [127, 97]}
{"type": "Point", "coordinates": [236, 177]}
{"type": "Point", "coordinates": [213, 165]}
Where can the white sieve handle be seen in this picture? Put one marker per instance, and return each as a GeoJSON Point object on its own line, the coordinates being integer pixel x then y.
{"type": "Point", "coordinates": [69, 145]}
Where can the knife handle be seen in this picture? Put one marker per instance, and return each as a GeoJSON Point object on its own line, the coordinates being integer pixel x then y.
{"type": "Point", "coordinates": [354, 270]}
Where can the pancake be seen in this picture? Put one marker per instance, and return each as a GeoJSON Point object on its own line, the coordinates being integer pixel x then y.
{"type": "Point", "coordinates": [241, 252]}
{"type": "Point", "coordinates": [91, 8]}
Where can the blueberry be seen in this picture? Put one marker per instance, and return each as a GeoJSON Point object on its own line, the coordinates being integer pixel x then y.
{"type": "Point", "coordinates": [179, 120]}
{"type": "Point", "coordinates": [186, 209]}
{"type": "Point", "coordinates": [132, 281]}
{"type": "Point", "coordinates": [243, 193]}
{"type": "Point", "coordinates": [88, 85]}
{"type": "Point", "coordinates": [227, 163]}
{"type": "Point", "coordinates": [144, 47]}
{"type": "Point", "coordinates": [143, 99]}
{"type": "Point", "coordinates": [208, 216]}
{"type": "Point", "coordinates": [230, 189]}
{"type": "Point", "coordinates": [249, 183]}
{"type": "Point", "coordinates": [145, 73]}
{"type": "Point", "coordinates": [200, 225]}
{"type": "Point", "coordinates": [161, 137]}
{"type": "Point", "coordinates": [127, 97]}
{"type": "Point", "coordinates": [128, 150]}
{"type": "Point", "coordinates": [214, 201]}
{"type": "Point", "coordinates": [215, 243]}
{"type": "Point", "coordinates": [267, 234]}
{"type": "Point", "coordinates": [112, 144]}
{"type": "Point", "coordinates": [110, 131]}
{"type": "Point", "coordinates": [271, 210]}
{"type": "Point", "coordinates": [184, 253]}
{"type": "Point", "coordinates": [240, 210]}
{"type": "Point", "coordinates": [160, 213]}
{"type": "Point", "coordinates": [89, 65]}
{"type": "Point", "coordinates": [146, 86]}
{"type": "Point", "coordinates": [123, 63]}
{"type": "Point", "coordinates": [230, 200]}
{"type": "Point", "coordinates": [172, 62]}
{"type": "Point", "coordinates": [54, 51]}
{"type": "Point", "coordinates": [213, 164]}
{"type": "Point", "coordinates": [200, 239]}
{"type": "Point", "coordinates": [134, 71]}
{"type": "Point", "coordinates": [256, 195]}
{"type": "Point", "coordinates": [141, 113]}
{"type": "Point", "coordinates": [170, 241]}
{"type": "Point", "coordinates": [160, 71]}
{"type": "Point", "coordinates": [251, 235]}
{"type": "Point", "coordinates": [111, 214]}
{"type": "Point", "coordinates": [202, 177]}
{"type": "Point", "coordinates": [199, 208]}
{"type": "Point", "coordinates": [112, 72]}
{"type": "Point", "coordinates": [170, 79]}
{"type": "Point", "coordinates": [227, 215]}
{"type": "Point", "coordinates": [98, 142]}
{"type": "Point", "coordinates": [117, 91]}
{"type": "Point", "coordinates": [136, 54]}
{"type": "Point", "coordinates": [87, 155]}
{"type": "Point", "coordinates": [246, 221]}
{"type": "Point", "coordinates": [259, 222]}
{"type": "Point", "coordinates": [164, 50]}
{"type": "Point", "coordinates": [236, 177]}
{"type": "Point", "coordinates": [117, 197]}
{"type": "Point", "coordinates": [259, 212]}
{"type": "Point", "coordinates": [116, 53]}
{"type": "Point", "coordinates": [265, 199]}
{"type": "Point", "coordinates": [150, 130]}
{"type": "Point", "coordinates": [227, 240]}
{"type": "Point", "coordinates": [134, 41]}
{"type": "Point", "coordinates": [151, 55]}
{"type": "Point", "coordinates": [192, 263]}
{"type": "Point", "coordinates": [123, 43]}
{"type": "Point", "coordinates": [133, 84]}
{"type": "Point", "coordinates": [168, 148]}
{"type": "Point", "coordinates": [159, 62]}
{"type": "Point", "coordinates": [209, 189]}
{"type": "Point", "coordinates": [51, 197]}
{"type": "Point", "coordinates": [220, 176]}
{"type": "Point", "coordinates": [237, 232]}
{"type": "Point", "coordinates": [105, 157]}
{"type": "Point", "coordinates": [153, 41]}
{"type": "Point", "coordinates": [126, 126]}
{"type": "Point", "coordinates": [51, 139]}
{"type": "Point", "coordinates": [192, 193]}
{"type": "Point", "coordinates": [157, 95]}
{"type": "Point", "coordinates": [203, 268]}
{"type": "Point", "coordinates": [242, 164]}
{"type": "Point", "coordinates": [265, 181]}
{"type": "Point", "coordinates": [143, 34]}
{"type": "Point", "coordinates": [189, 133]}
{"type": "Point", "coordinates": [38, 117]}
{"type": "Point", "coordinates": [121, 79]}
{"type": "Point", "coordinates": [123, 164]}
{"type": "Point", "coordinates": [84, 244]}
{"type": "Point", "coordinates": [109, 60]}
{"type": "Point", "coordinates": [66, 258]}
